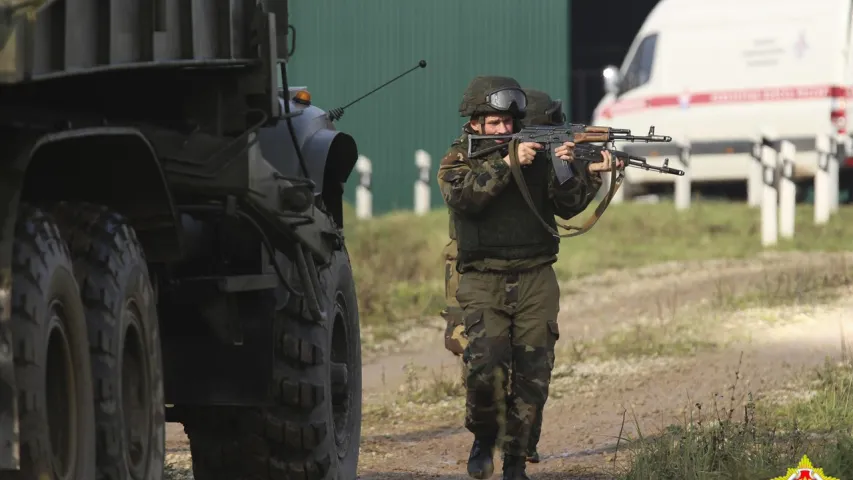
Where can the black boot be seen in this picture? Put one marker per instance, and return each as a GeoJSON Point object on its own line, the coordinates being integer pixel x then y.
{"type": "Point", "coordinates": [481, 463]}
{"type": "Point", "coordinates": [514, 468]}
{"type": "Point", "coordinates": [532, 455]}
{"type": "Point", "coordinates": [535, 433]}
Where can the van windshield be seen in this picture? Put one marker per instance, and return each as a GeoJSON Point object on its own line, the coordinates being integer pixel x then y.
{"type": "Point", "coordinates": [639, 70]}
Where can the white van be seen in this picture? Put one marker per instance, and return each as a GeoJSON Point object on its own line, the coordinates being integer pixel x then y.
{"type": "Point", "coordinates": [717, 73]}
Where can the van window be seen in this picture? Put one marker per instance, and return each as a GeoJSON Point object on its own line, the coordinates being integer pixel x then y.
{"type": "Point", "coordinates": [640, 69]}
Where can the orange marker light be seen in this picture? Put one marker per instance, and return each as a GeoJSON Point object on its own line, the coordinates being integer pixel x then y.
{"type": "Point", "coordinates": [302, 97]}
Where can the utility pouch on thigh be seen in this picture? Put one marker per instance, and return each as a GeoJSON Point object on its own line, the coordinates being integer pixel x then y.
{"type": "Point", "coordinates": [554, 328]}
{"type": "Point", "coordinates": [454, 335]}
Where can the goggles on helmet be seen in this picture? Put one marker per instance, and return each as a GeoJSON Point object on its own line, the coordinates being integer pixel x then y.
{"type": "Point", "coordinates": [555, 113]}
{"type": "Point", "coordinates": [503, 99]}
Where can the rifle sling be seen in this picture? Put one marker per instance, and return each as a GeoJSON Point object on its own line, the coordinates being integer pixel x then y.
{"type": "Point", "coordinates": [515, 169]}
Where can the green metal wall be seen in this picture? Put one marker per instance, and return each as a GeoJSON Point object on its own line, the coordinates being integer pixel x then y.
{"type": "Point", "coordinates": [345, 48]}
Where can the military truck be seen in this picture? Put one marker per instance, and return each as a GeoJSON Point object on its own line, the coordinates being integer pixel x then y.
{"type": "Point", "coordinates": [171, 246]}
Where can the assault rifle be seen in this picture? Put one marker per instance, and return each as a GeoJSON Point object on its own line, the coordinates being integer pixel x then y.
{"type": "Point", "coordinates": [580, 134]}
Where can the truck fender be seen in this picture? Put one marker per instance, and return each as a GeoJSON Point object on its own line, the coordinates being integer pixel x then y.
{"type": "Point", "coordinates": [114, 166]}
{"type": "Point", "coordinates": [339, 153]}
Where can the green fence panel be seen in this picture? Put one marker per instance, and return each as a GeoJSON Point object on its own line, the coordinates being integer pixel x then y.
{"type": "Point", "coordinates": [345, 48]}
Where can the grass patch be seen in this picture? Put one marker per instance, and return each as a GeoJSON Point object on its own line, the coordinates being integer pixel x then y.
{"type": "Point", "coordinates": [822, 406]}
{"type": "Point", "coordinates": [397, 266]}
{"type": "Point", "coordinates": [756, 440]}
{"type": "Point", "coordinates": [178, 466]}
{"type": "Point", "coordinates": [644, 340]}
{"type": "Point", "coordinates": [801, 286]}
{"type": "Point", "coordinates": [399, 270]}
{"type": "Point", "coordinates": [439, 386]}
{"type": "Point", "coordinates": [423, 397]}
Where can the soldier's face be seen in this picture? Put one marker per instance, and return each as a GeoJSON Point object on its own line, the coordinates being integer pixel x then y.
{"type": "Point", "coordinates": [494, 125]}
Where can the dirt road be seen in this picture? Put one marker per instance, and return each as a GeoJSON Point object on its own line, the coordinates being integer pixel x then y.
{"type": "Point", "coordinates": [602, 373]}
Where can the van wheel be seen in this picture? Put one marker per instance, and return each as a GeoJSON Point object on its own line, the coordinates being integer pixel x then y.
{"type": "Point", "coordinates": [52, 367]}
{"type": "Point", "coordinates": [315, 431]}
{"type": "Point", "coordinates": [121, 317]}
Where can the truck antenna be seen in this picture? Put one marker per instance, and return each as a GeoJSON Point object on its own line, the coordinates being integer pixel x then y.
{"type": "Point", "coordinates": [336, 113]}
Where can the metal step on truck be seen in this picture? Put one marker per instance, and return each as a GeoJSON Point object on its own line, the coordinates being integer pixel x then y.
{"type": "Point", "coordinates": [171, 246]}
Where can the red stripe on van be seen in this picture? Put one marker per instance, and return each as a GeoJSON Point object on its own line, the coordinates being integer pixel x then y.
{"type": "Point", "coordinates": [770, 94]}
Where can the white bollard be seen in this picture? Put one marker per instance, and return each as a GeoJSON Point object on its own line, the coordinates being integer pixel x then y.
{"type": "Point", "coordinates": [770, 197]}
{"type": "Point", "coordinates": [363, 195]}
{"type": "Point", "coordinates": [754, 178]}
{"type": "Point", "coordinates": [842, 151]}
{"type": "Point", "coordinates": [822, 191]}
{"type": "Point", "coordinates": [787, 189]}
{"type": "Point", "coordinates": [682, 183]}
{"type": "Point", "coordinates": [422, 162]}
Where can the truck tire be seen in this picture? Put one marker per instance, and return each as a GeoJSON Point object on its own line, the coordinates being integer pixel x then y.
{"type": "Point", "coordinates": [122, 321]}
{"type": "Point", "coordinates": [53, 372]}
{"type": "Point", "coordinates": [315, 433]}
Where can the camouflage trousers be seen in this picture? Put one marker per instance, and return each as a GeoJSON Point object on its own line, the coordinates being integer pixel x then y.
{"type": "Point", "coordinates": [511, 326]}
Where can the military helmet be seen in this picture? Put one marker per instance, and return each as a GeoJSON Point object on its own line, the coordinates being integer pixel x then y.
{"type": "Point", "coordinates": [490, 95]}
{"type": "Point", "coordinates": [542, 109]}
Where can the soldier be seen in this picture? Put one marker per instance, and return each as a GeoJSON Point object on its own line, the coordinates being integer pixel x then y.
{"type": "Point", "coordinates": [541, 110]}
{"type": "Point", "coordinates": [507, 289]}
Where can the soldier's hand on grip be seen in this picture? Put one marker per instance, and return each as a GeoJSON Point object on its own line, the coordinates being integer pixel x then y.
{"type": "Point", "coordinates": [606, 164]}
{"type": "Point", "coordinates": [526, 152]}
{"type": "Point", "coordinates": [566, 151]}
